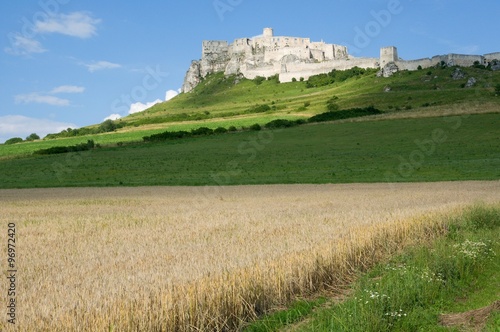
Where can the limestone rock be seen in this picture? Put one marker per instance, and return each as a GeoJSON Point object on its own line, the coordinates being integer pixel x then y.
{"type": "Point", "coordinates": [471, 82]}
{"type": "Point", "coordinates": [387, 89]}
{"type": "Point", "coordinates": [388, 70]}
{"type": "Point", "coordinates": [193, 77]}
{"type": "Point", "coordinates": [233, 67]}
{"type": "Point", "coordinates": [495, 65]}
{"type": "Point", "coordinates": [458, 74]}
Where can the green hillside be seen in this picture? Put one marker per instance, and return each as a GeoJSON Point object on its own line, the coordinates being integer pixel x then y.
{"type": "Point", "coordinates": [421, 149]}
{"type": "Point", "coordinates": [367, 149]}
{"type": "Point", "coordinates": [232, 101]}
{"type": "Point", "coordinates": [220, 97]}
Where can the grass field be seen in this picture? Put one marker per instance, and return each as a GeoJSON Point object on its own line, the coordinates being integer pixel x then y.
{"type": "Point", "coordinates": [463, 147]}
{"type": "Point", "coordinates": [182, 259]}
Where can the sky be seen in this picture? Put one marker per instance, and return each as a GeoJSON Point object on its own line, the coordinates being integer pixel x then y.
{"type": "Point", "coordinates": [72, 63]}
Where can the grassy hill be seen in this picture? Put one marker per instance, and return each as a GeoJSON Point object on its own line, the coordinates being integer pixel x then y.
{"type": "Point", "coordinates": [369, 149]}
{"type": "Point", "coordinates": [220, 102]}
{"type": "Point", "coordinates": [421, 149]}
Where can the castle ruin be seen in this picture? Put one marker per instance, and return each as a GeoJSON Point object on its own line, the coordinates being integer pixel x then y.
{"type": "Point", "coordinates": [293, 57]}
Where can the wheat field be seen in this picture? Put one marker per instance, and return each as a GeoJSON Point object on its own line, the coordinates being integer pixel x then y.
{"type": "Point", "coordinates": [207, 258]}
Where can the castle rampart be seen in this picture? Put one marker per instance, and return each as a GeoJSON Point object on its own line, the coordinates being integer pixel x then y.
{"type": "Point", "coordinates": [294, 57]}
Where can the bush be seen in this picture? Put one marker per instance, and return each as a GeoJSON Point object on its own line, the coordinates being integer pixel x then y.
{"type": "Point", "coordinates": [478, 65]}
{"type": "Point", "coordinates": [32, 137]}
{"type": "Point", "coordinates": [255, 127]}
{"type": "Point", "coordinates": [331, 104]}
{"type": "Point", "coordinates": [232, 128]}
{"type": "Point", "coordinates": [337, 76]}
{"type": "Point", "coordinates": [202, 131]}
{"type": "Point", "coordinates": [275, 78]}
{"type": "Point", "coordinates": [258, 80]}
{"type": "Point", "coordinates": [497, 89]}
{"type": "Point", "coordinates": [344, 114]}
{"type": "Point", "coordinates": [282, 123]}
{"type": "Point", "coordinates": [294, 79]}
{"type": "Point", "coordinates": [65, 149]}
{"type": "Point", "coordinates": [220, 130]}
{"type": "Point", "coordinates": [279, 123]}
{"type": "Point", "coordinates": [307, 104]}
{"type": "Point", "coordinates": [167, 135]}
{"type": "Point", "coordinates": [13, 140]}
{"type": "Point", "coordinates": [107, 126]}
{"type": "Point", "coordinates": [258, 109]}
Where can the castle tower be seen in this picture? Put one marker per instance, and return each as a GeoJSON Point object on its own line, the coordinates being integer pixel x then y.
{"type": "Point", "coordinates": [388, 54]}
{"type": "Point", "coordinates": [268, 32]}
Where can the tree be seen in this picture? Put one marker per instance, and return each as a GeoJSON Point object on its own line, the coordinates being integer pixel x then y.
{"type": "Point", "coordinates": [32, 137]}
{"type": "Point", "coordinates": [14, 140]}
{"type": "Point", "coordinates": [107, 126]}
{"type": "Point", "coordinates": [497, 89]}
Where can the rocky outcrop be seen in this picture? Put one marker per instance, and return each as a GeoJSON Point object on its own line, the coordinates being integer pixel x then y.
{"type": "Point", "coordinates": [471, 82]}
{"type": "Point", "coordinates": [458, 74]}
{"type": "Point", "coordinates": [495, 65]}
{"type": "Point", "coordinates": [193, 77]}
{"type": "Point", "coordinates": [388, 70]}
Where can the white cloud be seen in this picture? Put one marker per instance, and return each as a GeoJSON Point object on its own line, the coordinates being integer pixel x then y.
{"type": "Point", "coordinates": [21, 45]}
{"type": "Point", "coordinates": [171, 94]}
{"type": "Point", "coordinates": [113, 117]}
{"type": "Point", "coordinates": [22, 126]}
{"type": "Point", "coordinates": [76, 24]}
{"type": "Point", "coordinates": [139, 107]}
{"type": "Point", "coordinates": [68, 89]}
{"type": "Point", "coordinates": [101, 65]}
{"type": "Point", "coordinates": [40, 99]}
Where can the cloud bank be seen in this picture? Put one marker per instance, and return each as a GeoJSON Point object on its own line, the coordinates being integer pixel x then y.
{"type": "Point", "coordinates": [76, 24]}
{"type": "Point", "coordinates": [101, 65]}
{"type": "Point", "coordinates": [36, 98]}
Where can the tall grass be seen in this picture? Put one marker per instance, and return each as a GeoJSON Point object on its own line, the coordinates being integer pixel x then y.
{"type": "Point", "coordinates": [409, 292]}
{"type": "Point", "coordinates": [170, 259]}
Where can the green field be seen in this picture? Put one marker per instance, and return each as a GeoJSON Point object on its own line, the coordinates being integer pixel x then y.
{"type": "Point", "coordinates": [127, 135]}
{"type": "Point", "coordinates": [423, 149]}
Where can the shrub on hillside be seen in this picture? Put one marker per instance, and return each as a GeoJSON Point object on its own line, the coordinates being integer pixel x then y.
{"type": "Point", "coordinates": [32, 137]}
{"type": "Point", "coordinates": [13, 140]}
{"type": "Point", "coordinates": [258, 80]}
{"type": "Point", "coordinates": [337, 76]}
{"type": "Point", "coordinates": [65, 149]}
{"type": "Point", "coordinates": [331, 104]}
{"type": "Point", "coordinates": [280, 123]}
{"type": "Point", "coordinates": [220, 130]}
{"type": "Point", "coordinates": [167, 135]}
{"type": "Point", "coordinates": [344, 114]}
{"type": "Point", "coordinates": [258, 109]}
{"type": "Point", "coordinates": [202, 131]}
{"type": "Point", "coordinates": [255, 127]}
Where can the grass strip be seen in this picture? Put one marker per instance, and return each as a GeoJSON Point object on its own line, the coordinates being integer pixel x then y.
{"type": "Point", "coordinates": [451, 282]}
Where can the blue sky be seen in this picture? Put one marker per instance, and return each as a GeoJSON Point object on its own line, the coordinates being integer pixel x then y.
{"type": "Point", "coordinates": [70, 63]}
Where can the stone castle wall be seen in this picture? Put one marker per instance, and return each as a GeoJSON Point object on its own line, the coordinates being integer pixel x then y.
{"type": "Point", "coordinates": [293, 57]}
